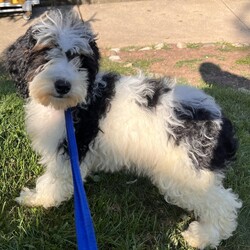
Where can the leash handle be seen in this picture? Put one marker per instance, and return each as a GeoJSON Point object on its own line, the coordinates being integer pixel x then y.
{"type": "Point", "coordinates": [84, 227]}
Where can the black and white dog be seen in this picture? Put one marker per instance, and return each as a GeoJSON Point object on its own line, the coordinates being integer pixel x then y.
{"type": "Point", "coordinates": [177, 136]}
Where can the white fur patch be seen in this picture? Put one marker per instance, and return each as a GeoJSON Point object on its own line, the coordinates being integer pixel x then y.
{"type": "Point", "coordinates": [66, 31]}
{"type": "Point", "coordinates": [43, 90]}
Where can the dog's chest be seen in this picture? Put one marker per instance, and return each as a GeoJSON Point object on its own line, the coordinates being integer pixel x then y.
{"type": "Point", "coordinates": [45, 126]}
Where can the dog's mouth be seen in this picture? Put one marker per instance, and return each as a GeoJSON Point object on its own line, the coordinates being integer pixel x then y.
{"type": "Point", "coordinates": [58, 96]}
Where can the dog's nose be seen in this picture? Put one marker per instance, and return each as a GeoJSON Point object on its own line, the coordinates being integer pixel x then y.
{"type": "Point", "coordinates": [62, 87]}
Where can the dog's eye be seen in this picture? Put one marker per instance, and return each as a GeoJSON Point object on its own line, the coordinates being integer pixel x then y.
{"type": "Point", "coordinates": [71, 55]}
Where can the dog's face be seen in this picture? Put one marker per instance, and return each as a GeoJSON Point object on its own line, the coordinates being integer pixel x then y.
{"type": "Point", "coordinates": [63, 61]}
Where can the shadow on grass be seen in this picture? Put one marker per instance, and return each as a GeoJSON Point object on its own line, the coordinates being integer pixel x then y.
{"type": "Point", "coordinates": [6, 84]}
{"type": "Point", "coordinates": [222, 86]}
{"type": "Point", "coordinates": [212, 74]}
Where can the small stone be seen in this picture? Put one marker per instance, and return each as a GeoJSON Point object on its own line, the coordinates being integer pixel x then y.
{"type": "Point", "coordinates": [238, 45]}
{"type": "Point", "coordinates": [114, 58]}
{"type": "Point", "coordinates": [181, 45]}
{"type": "Point", "coordinates": [115, 50]}
{"type": "Point", "coordinates": [159, 46]}
{"type": "Point", "coordinates": [128, 65]}
{"type": "Point", "coordinates": [145, 49]}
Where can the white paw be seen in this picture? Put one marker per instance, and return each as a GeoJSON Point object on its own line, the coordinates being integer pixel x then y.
{"type": "Point", "coordinates": [29, 197]}
{"type": "Point", "coordinates": [200, 236]}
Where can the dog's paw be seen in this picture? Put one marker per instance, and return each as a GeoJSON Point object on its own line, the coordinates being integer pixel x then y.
{"type": "Point", "coordinates": [29, 197]}
{"type": "Point", "coordinates": [200, 236]}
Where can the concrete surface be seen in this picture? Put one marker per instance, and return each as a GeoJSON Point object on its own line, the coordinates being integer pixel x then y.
{"type": "Point", "coordinates": [150, 22]}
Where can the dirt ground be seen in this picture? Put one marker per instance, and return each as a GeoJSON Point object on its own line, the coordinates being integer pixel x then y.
{"type": "Point", "coordinates": [223, 64]}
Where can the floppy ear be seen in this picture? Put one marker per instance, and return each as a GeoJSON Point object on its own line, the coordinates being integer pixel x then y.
{"type": "Point", "coordinates": [91, 62]}
{"type": "Point", "coordinates": [16, 60]}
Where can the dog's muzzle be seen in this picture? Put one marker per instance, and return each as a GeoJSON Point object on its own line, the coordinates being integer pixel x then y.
{"type": "Point", "coordinates": [62, 87]}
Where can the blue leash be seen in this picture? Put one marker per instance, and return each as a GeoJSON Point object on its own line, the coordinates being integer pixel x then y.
{"type": "Point", "coordinates": [84, 228]}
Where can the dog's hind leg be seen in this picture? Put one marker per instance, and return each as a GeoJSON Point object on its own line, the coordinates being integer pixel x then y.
{"type": "Point", "coordinates": [214, 207]}
{"type": "Point", "coordinates": [53, 187]}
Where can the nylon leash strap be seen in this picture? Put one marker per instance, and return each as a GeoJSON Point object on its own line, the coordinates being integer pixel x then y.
{"type": "Point", "coordinates": [85, 233]}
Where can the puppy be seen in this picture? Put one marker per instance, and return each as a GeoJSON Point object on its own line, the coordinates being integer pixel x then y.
{"type": "Point", "coordinates": [175, 135]}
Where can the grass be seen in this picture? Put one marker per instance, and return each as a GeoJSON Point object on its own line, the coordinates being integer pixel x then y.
{"type": "Point", "coordinates": [118, 67]}
{"type": "Point", "coordinates": [144, 64]}
{"type": "Point", "coordinates": [194, 45]}
{"type": "Point", "coordinates": [137, 48]}
{"type": "Point", "coordinates": [191, 63]}
{"type": "Point", "coordinates": [229, 47]}
{"type": "Point", "coordinates": [129, 67]}
{"type": "Point", "coordinates": [243, 61]}
{"type": "Point", "coordinates": [125, 217]}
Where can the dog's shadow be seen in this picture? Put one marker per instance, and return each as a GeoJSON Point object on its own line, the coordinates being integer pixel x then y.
{"type": "Point", "coordinates": [212, 74]}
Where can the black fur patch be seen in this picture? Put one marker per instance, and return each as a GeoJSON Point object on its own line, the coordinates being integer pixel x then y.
{"type": "Point", "coordinates": [155, 89]}
{"type": "Point", "coordinates": [91, 63]}
{"type": "Point", "coordinates": [16, 61]}
{"type": "Point", "coordinates": [227, 144]}
{"type": "Point", "coordinates": [86, 118]}
{"type": "Point", "coordinates": [215, 151]}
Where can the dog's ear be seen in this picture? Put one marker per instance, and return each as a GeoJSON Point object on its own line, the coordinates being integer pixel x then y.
{"type": "Point", "coordinates": [27, 40]}
{"type": "Point", "coordinates": [95, 50]}
{"type": "Point", "coordinates": [91, 61]}
{"type": "Point", "coordinates": [37, 59]}
{"type": "Point", "coordinates": [17, 60]}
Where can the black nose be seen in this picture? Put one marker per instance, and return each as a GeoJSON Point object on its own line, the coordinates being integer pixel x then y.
{"type": "Point", "coordinates": [62, 87]}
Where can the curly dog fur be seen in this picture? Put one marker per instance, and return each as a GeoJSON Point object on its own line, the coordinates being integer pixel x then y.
{"type": "Point", "coordinates": [175, 135]}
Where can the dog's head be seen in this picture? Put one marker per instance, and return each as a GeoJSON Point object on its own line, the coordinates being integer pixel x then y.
{"type": "Point", "coordinates": [63, 61]}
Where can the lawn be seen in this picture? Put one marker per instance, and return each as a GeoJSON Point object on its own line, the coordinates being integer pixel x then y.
{"type": "Point", "coordinates": [127, 214]}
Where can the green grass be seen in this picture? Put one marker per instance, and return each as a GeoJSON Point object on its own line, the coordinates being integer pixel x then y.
{"type": "Point", "coordinates": [144, 64]}
{"type": "Point", "coordinates": [244, 61]}
{"type": "Point", "coordinates": [126, 217]}
{"type": "Point", "coordinates": [191, 63]}
{"type": "Point", "coordinates": [229, 47]}
{"type": "Point", "coordinates": [118, 67]}
{"type": "Point", "coordinates": [131, 48]}
{"type": "Point", "coordinates": [129, 67]}
{"type": "Point", "coordinates": [194, 45]}
{"type": "Point", "coordinates": [166, 46]}
{"type": "Point", "coordinates": [137, 48]}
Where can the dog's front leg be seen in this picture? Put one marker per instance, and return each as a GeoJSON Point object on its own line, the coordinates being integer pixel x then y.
{"type": "Point", "coordinates": [53, 187]}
